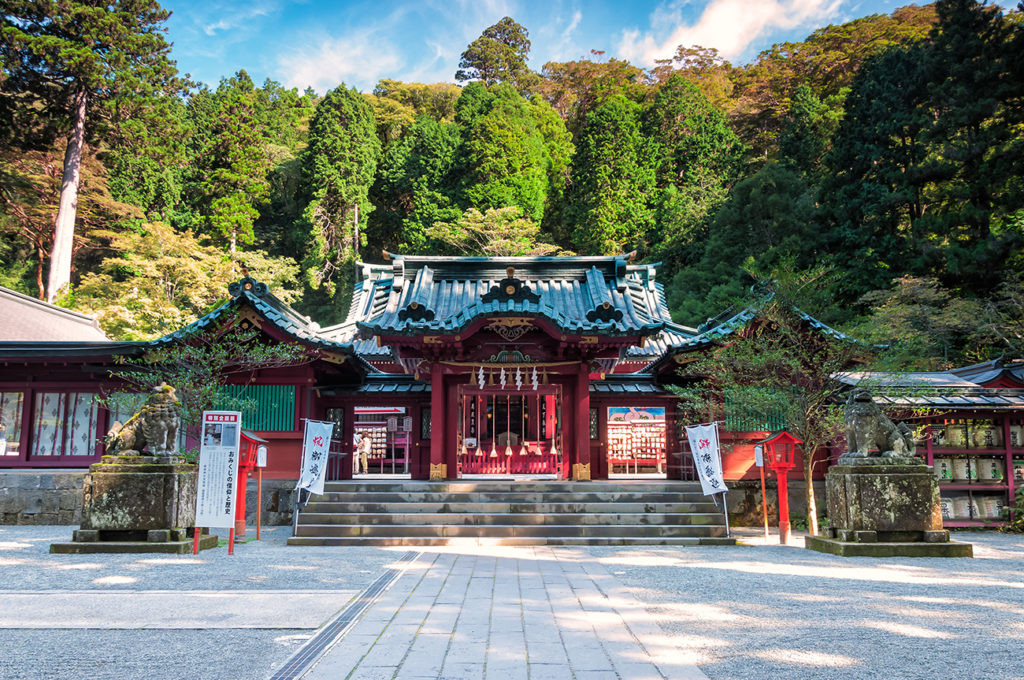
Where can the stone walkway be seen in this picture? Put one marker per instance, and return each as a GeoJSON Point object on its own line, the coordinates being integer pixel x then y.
{"type": "Point", "coordinates": [512, 614]}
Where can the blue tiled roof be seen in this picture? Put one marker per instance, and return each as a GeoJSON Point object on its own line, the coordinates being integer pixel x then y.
{"type": "Point", "coordinates": [594, 295]}
{"type": "Point", "coordinates": [267, 305]}
{"type": "Point", "coordinates": [730, 322]}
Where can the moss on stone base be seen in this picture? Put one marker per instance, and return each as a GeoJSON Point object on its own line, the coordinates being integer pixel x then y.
{"type": "Point", "coordinates": [915, 549]}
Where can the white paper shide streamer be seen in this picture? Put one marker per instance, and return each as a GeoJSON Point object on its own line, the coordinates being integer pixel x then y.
{"type": "Point", "coordinates": [707, 457]}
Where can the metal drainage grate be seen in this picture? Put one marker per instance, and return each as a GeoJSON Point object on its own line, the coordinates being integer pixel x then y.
{"type": "Point", "coordinates": [317, 645]}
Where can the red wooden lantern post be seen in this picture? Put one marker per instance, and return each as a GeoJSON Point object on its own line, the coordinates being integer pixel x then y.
{"type": "Point", "coordinates": [778, 456]}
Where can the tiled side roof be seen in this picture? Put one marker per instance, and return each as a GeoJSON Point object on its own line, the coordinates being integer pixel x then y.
{"type": "Point", "coordinates": [578, 294]}
{"type": "Point", "coordinates": [730, 322]}
{"type": "Point", "coordinates": [266, 304]}
{"type": "Point", "coordinates": [25, 319]}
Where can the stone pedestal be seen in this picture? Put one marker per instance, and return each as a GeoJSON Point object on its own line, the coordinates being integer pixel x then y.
{"type": "Point", "coordinates": [885, 507]}
{"type": "Point", "coordinates": [137, 503]}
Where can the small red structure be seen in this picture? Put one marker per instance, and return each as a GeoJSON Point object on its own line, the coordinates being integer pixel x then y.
{"type": "Point", "coordinates": [247, 456]}
{"type": "Point", "coordinates": [778, 456]}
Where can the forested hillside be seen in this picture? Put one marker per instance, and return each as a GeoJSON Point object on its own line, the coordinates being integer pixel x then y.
{"type": "Point", "coordinates": [889, 150]}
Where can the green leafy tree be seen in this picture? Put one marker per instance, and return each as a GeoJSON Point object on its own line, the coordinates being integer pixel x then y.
{"type": "Point", "coordinates": [827, 61]}
{"type": "Point", "coordinates": [85, 64]}
{"type": "Point", "coordinates": [575, 88]}
{"type": "Point", "coordinates": [878, 175]}
{"type": "Point", "coordinates": [807, 131]}
{"type": "Point", "coordinates": [499, 56]}
{"type": "Point", "coordinates": [703, 67]}
{"type": "Point", "coordinates": [779, 366]}
{"type": "Point", "coordinates": [500, 232]}
{"type": "Point", "coordinates": [769, 219]}
{"type": "Point", "coordinates": [613, 177]}
{"type": "Point", "coordinates": [506, 158]}
{"type": "Point", "coordinates": [436, 100]}
{"type": "Point", "coordinates": [698, 159]}
{"type": "Point", "coordinates": [201, 363]}
{"type": "Point", "coordinates": [416, 186]}
{"type": "Point", "coordinates": [924, 325]}
{"type": "Point", "coordinates": [159, 280]}
{"type": "Point", "coordinates": [230, 171]}
{"type": "Point", "coordinates": [339, 166]}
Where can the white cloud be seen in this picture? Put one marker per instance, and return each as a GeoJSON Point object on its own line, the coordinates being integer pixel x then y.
{"type": "Point", "coordinates": [235, 16]}
{"type": "Point", "coordinates": [355, 59]}
{"type": "Point", "coordinates": [730, 26]}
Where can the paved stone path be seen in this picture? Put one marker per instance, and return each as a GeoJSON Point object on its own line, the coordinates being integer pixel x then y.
{"type": "Point", "coordinates": [514, 614]}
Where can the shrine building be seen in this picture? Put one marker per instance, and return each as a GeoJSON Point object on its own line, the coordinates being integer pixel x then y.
{"type": "Point", "coordinates": [557, 367]}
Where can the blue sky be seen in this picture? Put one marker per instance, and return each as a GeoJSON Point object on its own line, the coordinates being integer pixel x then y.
{"type": "Point", "coordinates": [358, 42]}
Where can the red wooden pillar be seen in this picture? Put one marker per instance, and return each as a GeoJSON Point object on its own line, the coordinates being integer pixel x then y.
{"type": "Point", "coordinates": [451, 425]}
{"type": "Point", "coordinates": [438, 469]}
{"type": "Point", "coordinates": [581, 469]}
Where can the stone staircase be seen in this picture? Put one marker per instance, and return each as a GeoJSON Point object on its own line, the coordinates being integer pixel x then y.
{"type": "Point", "coordinates": [511, 512]}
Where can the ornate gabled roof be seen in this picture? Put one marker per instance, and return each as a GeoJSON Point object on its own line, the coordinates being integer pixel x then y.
{"type": "Point", "coordinates": [282, 316]}
{"type": "Point", "coordinates": [594, 295]}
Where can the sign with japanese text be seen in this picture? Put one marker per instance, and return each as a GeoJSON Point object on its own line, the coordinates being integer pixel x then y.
{"type": "Point", "coordinates": [759, 455]}
{"type": "Point", "coordinates": [393, 424]}
{"type": "Point", "coordinates": [407, 424]}
{"type": "Point", "coordinates": [217, 483]}
{"type": "Point", "coordinates": [707, 457]}
{"type": "Point", "coordinates": [315, 444]}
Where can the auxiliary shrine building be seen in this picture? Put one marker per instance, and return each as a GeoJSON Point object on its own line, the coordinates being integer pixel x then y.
{"type": "Point", "coordinates": [452, 366]}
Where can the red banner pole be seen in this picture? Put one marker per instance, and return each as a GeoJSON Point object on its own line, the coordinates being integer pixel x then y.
{"type": "Point", "coordinates": [231, 541]}
{"type": "Point", "coordinates": [195, 540]}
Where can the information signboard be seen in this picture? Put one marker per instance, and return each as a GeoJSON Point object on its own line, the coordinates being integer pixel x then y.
{"type": "Point", "coordinates": [393, 424]}
{"type": "Point", "coordinates": [407, 424]}
{"type": "Point", "coordinates": [217, 483]}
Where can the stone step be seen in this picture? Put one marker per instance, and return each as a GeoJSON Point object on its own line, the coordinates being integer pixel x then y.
{"type": "Point", "coordinates": [482, 519]}
{"type": "Point", "coordinates": [624, 531]}
{"type": "Point", "coordinates": [512, 497]}
{"type": "Point", "coordinates": [518, 541]}
{"type": "Point", "coordinates": [490, 486]}
{"type": "Point", "coordinates": [318, 507]}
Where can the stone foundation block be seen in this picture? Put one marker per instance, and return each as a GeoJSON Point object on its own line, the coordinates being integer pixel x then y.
{"type": "Point", "coordinates": [865, 536]}
{"type": "Point", "coordinates": [158, 535]}
{"type": "Point", "coordinates": [87, 535]}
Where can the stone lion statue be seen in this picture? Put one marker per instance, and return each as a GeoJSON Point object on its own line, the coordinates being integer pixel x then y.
{"type": "Point", "coordinates": [154, 427]}
{"type": "Point", "coordinates": [870, 433]}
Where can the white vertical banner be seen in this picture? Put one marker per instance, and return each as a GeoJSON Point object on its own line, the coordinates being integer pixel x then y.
{"type": "Point", "coordinates": [315, 444]}
{"type": "Point", "coordinates": [217, 483]}
{"type": "Point", "coordinates": [707, 457]}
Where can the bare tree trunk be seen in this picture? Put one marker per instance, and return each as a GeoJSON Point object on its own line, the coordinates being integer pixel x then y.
{"type": "Point", "coordinates": [64, 225]}
{"type": "Point", "coordinates": [812, 503]}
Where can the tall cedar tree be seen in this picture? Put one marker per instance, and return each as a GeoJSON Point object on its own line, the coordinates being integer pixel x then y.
{"type": "Point", "coordinates": [232, 167]}
{"type": "Point", "coordinates": [499, 56]}
{"type": "Point", "coordinates": [612, 181]}
{"type": "Point", "coordinates": [84, 63]}
{"type": "Point", "coordinates": [339, 166]}
{"type": "Point", "coordinates": [698, 159]}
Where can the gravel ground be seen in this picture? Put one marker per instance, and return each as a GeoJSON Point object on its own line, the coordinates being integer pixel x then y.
{"type": "Point", "coordinates": [215, 653]}
{"type": "Point", "coordinates": [762, 612]}
{"type": "Point", "coordinates": [268, 564]}
{"type": "Point", "coordinates": [752, 611]}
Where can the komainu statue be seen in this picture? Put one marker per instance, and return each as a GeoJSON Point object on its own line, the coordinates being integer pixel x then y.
{"type": "Point", "coordinates": [154, 427]}
{"type": "Point", "coordinates": [869, 433]}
